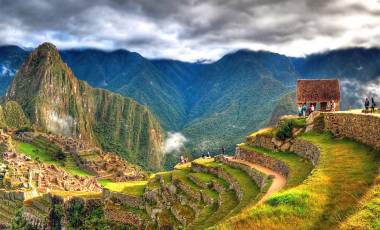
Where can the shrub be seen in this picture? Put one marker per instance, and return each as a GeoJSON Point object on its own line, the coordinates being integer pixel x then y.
{"type": "Point", "coordinates": [293, 198]}
{"type": "Point", "coordinates": [59, 156]}
{"type": "Point", "coordinates": [284, 131]}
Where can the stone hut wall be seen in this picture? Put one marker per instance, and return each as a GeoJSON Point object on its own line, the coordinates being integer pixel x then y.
{"type": "Point", "coordinates": [364, 128]}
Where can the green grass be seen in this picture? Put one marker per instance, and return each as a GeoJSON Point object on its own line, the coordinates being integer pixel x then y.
{"type": "Point", "coordinates": [299, 167]}
{"type": "Point", "coordinates": [214, 214]}
{"type": "Point", "coordinates": [367, 215]}
{"type": "Point", "coordinates": [344, 173]}
{"type": "Point", "coordinates": [133, 188]}
{"type": "Point", "coordinates": [45, 155]}
{"type": "Point", "coordinates": [154, 183]}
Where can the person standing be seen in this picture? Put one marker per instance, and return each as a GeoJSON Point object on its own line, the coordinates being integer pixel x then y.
{"type": "Point", "coordinates": [366, 104]}
{"type": "Point", "coordinates": [304, 108]}
{"type": "Point", "coordinates": [373, 105]}
{"type": "Point", "coordinates": [223, 151]}
{"type": "Point", "coordinates": [300, 110]}
{"type": "Point", "coordinates": [333, 106]}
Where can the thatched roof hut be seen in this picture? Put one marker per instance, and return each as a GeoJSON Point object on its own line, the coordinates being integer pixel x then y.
{"type": "Point", "coordinates": [318, 91]}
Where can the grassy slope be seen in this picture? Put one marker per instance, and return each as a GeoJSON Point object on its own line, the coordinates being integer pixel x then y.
{"type": "Point", "coordinates": [344, 173]}
{"type": "Point", "coordinates": [45, 156]}
{"type": "Point", "coordinates": [367, 215]}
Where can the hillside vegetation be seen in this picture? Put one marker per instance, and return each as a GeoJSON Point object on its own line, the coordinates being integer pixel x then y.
{"type": "Point", "coordinates": [215, 100]}
{"type": "Point", "coordinates": [55, 101]}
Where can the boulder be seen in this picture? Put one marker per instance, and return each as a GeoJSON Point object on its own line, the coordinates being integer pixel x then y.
{"type": "Point", "coordinates": [285, 147]}
{"type": "Point", "coordinates": [276, 142]}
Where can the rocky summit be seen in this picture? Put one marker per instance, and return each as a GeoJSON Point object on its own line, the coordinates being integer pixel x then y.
{"type": "Point", "coordinates": [57, 102]}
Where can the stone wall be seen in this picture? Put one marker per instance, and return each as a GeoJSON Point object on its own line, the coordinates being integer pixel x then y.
{"type": "Point", "coordinates": [263, 140]}
{"type": "Point", "coordinates": [12, 195]}
{"type": "Point", "coordinates": [257, 176]}
{"type": "Point", "coordinates": [364, 128]}
{"type": "Point", "coordinates": [121, 198]}
{"type": "Point", "coordinates": [221, 174]}
{"type": "Point", "coordinates": [306, 150]}
{"type": "Point", "coordinates": [261, 159]}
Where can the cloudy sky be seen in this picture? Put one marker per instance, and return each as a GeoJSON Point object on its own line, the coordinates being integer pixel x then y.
{"type": "Point", "coordinates": [192, 29]}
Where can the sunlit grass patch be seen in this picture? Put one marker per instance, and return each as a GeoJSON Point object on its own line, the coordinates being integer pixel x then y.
{"type": "Point", "coordinates": [134, 188]}
{"type": "Point", "coordinates": [45, 155]}
{"type": "Point", "coordinates": [264, 131]}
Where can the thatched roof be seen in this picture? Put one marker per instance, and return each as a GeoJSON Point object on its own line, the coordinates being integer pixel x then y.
{"type": "Point", "coordinates": [316, 91]}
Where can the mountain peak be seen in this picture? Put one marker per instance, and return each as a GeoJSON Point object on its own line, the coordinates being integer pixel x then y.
{"type": "Point", "coordinates": [46, 49]}
{"type": "Point", "coordinates": [57, 102]}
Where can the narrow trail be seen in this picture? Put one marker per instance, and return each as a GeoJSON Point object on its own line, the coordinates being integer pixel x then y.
{"type": "Point", "coordinates": [279, 181]}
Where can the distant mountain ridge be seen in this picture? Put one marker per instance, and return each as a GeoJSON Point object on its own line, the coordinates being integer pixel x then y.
{"type": "Point", "coordinates": [217, 103]}
{"type": "Point", "coordinates": [55, 101]}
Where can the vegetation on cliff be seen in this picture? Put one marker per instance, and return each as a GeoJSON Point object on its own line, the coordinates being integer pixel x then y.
{"type": "Point", "coordinates": [55, 101]}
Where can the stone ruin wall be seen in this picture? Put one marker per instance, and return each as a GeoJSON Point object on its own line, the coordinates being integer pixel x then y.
{"type": "Point", "coordinates": [364, 128]}
{"type": "Point", "coordinates": [121, 198]}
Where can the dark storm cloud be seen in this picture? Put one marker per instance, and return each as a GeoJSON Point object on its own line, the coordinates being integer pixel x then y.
{"type": "Point", "coordinates": [192, 29]}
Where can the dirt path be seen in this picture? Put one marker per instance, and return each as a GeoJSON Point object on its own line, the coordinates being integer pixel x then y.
{"type": "Point", "coordinates": [278, 182]}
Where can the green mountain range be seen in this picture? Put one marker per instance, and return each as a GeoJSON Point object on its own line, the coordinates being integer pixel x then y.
{"type": "Point", "coordinates": [215, 104]}
{"type": "Point", "coordinates": [55, 101]}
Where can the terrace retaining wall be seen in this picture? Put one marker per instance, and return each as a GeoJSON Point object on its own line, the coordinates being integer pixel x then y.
{"type": "Point", "coordinates": [364, 128]}
{"type": "Point", "coordinates": [131, 201]}
{"type": "Point", "coordinates": [261, 159]}
{"type": "Point", "coordinates": [306, 150]}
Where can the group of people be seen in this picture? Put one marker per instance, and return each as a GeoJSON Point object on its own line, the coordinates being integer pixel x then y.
{"type": "Point", "coordinates": [368, 105]}
{"type": "Point", "coordinates": [206, 155]}
{"type": "Point", "coordinates": [304, 110]}
{"type": "Point", "coordinates": [183, 159]}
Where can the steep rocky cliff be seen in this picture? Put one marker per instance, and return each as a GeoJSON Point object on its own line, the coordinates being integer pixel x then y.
{"type": "Point", "coordinates": [55, 101]}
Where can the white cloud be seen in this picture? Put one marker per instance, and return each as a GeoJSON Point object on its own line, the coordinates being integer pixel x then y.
{"type": "Point", "coordinates": [174, 142]}
{"type": "Point", "coordinates": [193, 30]}
{"type": "Point", "coordinates": [354, 92]}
